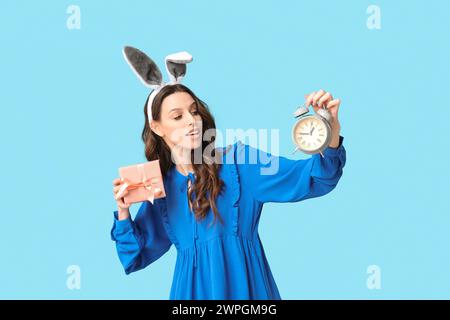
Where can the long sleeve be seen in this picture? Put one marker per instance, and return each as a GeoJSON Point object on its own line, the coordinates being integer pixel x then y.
{"type": "Point", "coordinates": [279, 179]}
{"type": "Point", "coordinates": [142, 241]}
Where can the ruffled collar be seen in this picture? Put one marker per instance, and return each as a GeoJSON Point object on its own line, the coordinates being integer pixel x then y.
{"type": "Point", "coordinates": [181, 181]}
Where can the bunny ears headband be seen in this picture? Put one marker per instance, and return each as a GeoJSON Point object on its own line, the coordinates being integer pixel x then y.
{"type": "Point", "coordinates": [149, 73]}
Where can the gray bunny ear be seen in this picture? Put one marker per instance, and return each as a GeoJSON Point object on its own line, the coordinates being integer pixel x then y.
{"type": "Point", "coordinates": [144, 67]}
{"type": "Point", "coordinates": [176, 65]}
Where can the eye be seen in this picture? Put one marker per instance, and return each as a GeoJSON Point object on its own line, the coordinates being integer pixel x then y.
{"type": "Point", "coordinates": [195, 112]}
{"type": "Point", "coordinates": [178, 117]}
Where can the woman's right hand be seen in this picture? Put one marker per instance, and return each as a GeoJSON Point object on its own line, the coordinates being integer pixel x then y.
{"type": "Point", "coordinates": [121, 204]}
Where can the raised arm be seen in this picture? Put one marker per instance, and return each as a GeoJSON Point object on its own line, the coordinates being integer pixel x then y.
{"type": "Point", "coordinates": [279, 179]}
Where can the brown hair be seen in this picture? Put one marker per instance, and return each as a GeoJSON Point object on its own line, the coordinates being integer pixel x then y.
{"type": "Point", "coordinates": [207, 185]}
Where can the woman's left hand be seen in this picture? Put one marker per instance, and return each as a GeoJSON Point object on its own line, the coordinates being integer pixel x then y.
{"type": "Point", "coordinates": [322, 98]}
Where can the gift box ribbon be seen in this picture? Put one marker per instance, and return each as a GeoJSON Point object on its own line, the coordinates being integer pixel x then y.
{"type": "Point", "coordinates": [146, 183]}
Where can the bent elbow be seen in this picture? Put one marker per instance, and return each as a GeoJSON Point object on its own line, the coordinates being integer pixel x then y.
{"type": "Point", "coordinates": [322, 187]}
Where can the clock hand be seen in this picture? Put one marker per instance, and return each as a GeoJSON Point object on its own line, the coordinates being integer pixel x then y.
{"type": "Point", "coordinates": [312, 130]}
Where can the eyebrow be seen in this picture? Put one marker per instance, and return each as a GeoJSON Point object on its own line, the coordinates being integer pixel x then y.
{"type": "Point", "coordinates": [174, 109]}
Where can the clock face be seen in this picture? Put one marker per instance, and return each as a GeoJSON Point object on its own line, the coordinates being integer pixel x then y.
{"type": "Point", "coordinates": [311, 133]}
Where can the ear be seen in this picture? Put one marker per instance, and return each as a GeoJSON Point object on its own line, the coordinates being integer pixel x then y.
{"type": "Point", "coordinates": [154, 126]}
{"type": "Point", "coordinates": [176, 65]}
{"type": "Point", "coordinates": [144, 67]}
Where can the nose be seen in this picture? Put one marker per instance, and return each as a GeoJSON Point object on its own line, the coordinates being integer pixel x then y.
{"type": "Point", "coordinates": [190, 119]}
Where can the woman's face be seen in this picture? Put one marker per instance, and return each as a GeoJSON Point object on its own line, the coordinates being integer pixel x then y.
{"type": "Point", "coordinates": [180, 124]}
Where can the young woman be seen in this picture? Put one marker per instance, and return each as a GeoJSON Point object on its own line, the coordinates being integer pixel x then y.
{"type": "Point", "coordinates": [211, 210]}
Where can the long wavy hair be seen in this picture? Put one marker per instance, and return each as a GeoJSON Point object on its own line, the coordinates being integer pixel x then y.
{"type": "Point", "coordinates": [208, 184]}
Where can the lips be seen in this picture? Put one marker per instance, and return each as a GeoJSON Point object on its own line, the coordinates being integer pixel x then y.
{"type": "Point", "coordinates": [193, 132]}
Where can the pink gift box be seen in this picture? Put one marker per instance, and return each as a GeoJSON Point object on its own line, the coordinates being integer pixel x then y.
{"type": "Point", "coordinates": [143, 182]}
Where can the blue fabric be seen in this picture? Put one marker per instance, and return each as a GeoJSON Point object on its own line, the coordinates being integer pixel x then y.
{"type": "Point", "coordinates": [223, 261]}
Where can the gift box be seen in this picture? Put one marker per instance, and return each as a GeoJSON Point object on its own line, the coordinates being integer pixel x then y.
{"type": "Point", "coordinates": [143, 182]}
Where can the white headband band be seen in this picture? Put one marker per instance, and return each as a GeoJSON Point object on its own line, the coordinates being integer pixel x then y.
{"type": "Point", "coordinates": [150, 75]}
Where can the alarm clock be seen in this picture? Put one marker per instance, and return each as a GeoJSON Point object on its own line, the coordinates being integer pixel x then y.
{"type": "Point", "coordinates": [312, 132]}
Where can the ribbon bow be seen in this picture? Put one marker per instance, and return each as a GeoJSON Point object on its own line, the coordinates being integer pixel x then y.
{"type": "Point", "coordinates": [146, 183]}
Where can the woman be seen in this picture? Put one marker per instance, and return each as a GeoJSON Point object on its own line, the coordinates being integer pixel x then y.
{"type": "Point", "coordinates": [212, 208]}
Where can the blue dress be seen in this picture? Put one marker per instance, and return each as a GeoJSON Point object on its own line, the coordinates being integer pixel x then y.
{"type": "Point", "coordinates": [223, 261]}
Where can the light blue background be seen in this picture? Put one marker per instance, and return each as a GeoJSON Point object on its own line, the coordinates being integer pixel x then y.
{"type": "Point", "coordinates": [72, 113]}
